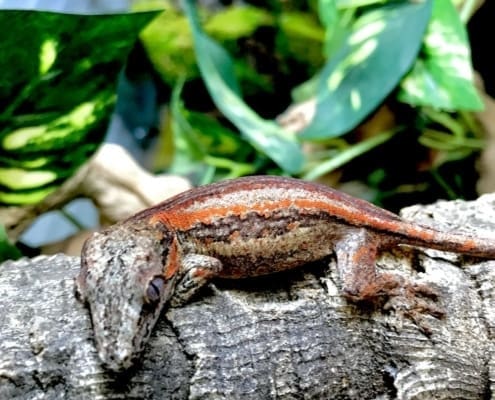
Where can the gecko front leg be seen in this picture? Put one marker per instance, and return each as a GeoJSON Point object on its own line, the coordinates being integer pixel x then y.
{"type": "Point", "coordinates": [196, 270]}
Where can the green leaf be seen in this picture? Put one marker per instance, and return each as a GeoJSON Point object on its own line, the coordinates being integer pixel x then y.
{"type": "Point", "coordinates": [358, 3]}
{"type": "Point", "coordinates": [203, 145]}
{"type": "Point", "coordinates": [327, 10]}
{"type": "Point", "coordinates": [185, 136]}
{"type": "Point", "coordinates": [306, 90]}
{"type": "Point", "coordinates": [25, 197]}
{"type": "Point", "coordinates": [381, 48]}
{"type": "Point", "coordinates": [216, 138]}
{"type": "Point", "coordinates": [443, 76]}
{"type": "Point", "coordinates": [335, 23]}
{"type": "Point", "coordinates": [60, 132]}
{"type": "Point", "coordinates": [237, 21]}
{"type": "Point", "coordinates": [218, 74]}
{"type": "Point", "coordinates": [57, 92]}
{"type": "Point", "coordinates": [348, 154]}
{"type": "Point", "coordinates": [168, 43]}
{"type": "Point", "coordinates": [296, 24]}
{"type": "Point", "coordinates": [301, 37]}
{"type": "Point", "coordinates": [15, 178]}
{"type": "Point", "coordinates": [7, 250]}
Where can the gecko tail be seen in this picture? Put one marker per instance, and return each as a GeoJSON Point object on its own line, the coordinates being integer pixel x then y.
{"type": "Point", "coordinates": [463, 243]}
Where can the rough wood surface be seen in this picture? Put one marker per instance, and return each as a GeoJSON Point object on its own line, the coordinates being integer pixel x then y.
{"type": "Point", "coordinates": [289, 336]}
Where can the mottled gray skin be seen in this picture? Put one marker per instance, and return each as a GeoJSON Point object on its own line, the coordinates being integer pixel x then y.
{"type": "Point", "coordinates": [235, 229]}
{"type": "Point", "coordinates": [122, 314]}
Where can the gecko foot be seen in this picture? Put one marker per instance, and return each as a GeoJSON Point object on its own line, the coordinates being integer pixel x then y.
{"type": "Point", "coordinates": [410, 300]}
{"type": "Point", "coordinates": [197, 270]}
{"type": "Point", "coordinates": [414, 301]}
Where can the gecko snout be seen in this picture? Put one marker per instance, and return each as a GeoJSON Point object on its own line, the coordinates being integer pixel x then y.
{"type": "Point", "coordinates": [116, 361]}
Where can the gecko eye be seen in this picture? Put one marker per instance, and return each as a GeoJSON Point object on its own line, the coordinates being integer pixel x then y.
{"type": "Point", "coordinates": [155, 290]}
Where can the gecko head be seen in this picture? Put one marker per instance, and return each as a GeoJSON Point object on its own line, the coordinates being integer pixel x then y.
{"type": "Point", "coordinates": [127, 275]}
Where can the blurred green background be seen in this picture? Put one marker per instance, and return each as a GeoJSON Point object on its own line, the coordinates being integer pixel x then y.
{"type": "Point", "coordinates": [374, 97]}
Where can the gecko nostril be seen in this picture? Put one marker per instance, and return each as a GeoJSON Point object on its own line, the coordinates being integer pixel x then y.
{"type": "Point", "coordinates": [115, 362]}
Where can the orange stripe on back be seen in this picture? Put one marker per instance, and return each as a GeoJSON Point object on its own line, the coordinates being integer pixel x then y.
{"type": "Point", "coordinates": [188, 219]}
{"type": "Point", "coordinates": [340, 201]}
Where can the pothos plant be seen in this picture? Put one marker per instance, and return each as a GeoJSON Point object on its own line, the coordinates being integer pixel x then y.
{"type": "Point", "coordinates": [401, 66]}
{"type": "Point", "coordinates": [57, 92]}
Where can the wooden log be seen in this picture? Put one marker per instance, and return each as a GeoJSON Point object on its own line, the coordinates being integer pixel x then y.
{"type": "Point", "coordinates": [286, 336]}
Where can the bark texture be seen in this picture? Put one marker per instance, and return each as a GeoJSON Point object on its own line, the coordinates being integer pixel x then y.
{"type": "Point", "coordinates": [287, 336]}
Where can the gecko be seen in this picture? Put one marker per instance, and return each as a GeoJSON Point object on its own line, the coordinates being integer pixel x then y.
{"type": "Point", "coordinates": [239, 228]}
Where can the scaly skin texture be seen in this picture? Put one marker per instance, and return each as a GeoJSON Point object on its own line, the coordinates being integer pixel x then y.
{"type": "Point", "coordinates": [234, 229]}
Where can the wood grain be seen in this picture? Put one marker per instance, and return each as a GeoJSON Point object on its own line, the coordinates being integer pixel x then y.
{"type": "Point", "coordinates": [288, 336]}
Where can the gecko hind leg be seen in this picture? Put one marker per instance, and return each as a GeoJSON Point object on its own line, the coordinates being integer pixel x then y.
{"type": "Point", "coordinates": [196, 271]}
{"type": "Point", "coordinates": [361, 283]}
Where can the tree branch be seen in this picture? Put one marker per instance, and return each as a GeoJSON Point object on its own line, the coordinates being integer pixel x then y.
{"type": "Point", "coordinates": [285, 336]}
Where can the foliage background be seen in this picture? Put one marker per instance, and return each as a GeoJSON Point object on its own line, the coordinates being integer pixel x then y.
{"type": "Point", "coordinates": [209, 92]}
{"type": "Point", "coordinates": [392, 80]}
{"type": "Point", "coordinates": [57, 92]}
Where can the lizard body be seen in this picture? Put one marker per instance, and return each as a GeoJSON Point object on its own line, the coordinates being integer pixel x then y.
{"type": "Point", "coordinates": [234, 229]}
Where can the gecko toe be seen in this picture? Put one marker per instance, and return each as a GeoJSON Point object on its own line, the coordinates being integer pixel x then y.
{"type": "Point", "coordinates": [416, 302]}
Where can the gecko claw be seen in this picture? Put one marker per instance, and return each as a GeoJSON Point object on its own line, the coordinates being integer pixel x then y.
{"type": "Point", "coordinates": [414, 302]}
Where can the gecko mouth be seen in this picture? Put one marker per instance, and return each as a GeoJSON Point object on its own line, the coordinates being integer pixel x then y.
{"type": "Point", "coordinates": [120, 350]}
{"type": "Point", "coordinates": [116, 362]}
{"type": "Point", "coordinates": [115, 355]}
